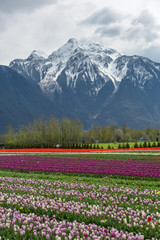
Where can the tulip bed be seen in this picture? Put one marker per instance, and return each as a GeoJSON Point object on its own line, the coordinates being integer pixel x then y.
{"type": "Point", "coordinates": [81, 165]}
{"type": "Point", "coordinates": [62, 198]}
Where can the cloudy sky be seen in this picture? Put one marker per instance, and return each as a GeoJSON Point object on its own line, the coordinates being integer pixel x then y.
{"type": "Point", "coordinates": [131, 27]}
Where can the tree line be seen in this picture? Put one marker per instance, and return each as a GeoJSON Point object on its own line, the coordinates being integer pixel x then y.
{"type": "Point", "coordinates": [43, 133]}
{"type": "Point", "coordinates": [119, 134]}
{"type": "Point", "coordinates": [69, 133]}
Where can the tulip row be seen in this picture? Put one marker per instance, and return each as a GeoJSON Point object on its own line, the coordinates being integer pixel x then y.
{"type": "Point", "coordinates": [119, 208]}
{"type": "Point", "coordinates": [81, 165]}
{"type": "Point", "coordinates": [42, 150]}
{"type": "Point", "coordinates": [42, 227]}
{"type": "Point", "coordinates": [111, 211]}
{"type": "Point", "coordinates": [77, 190]}
{"type": "Point", "coordinates": [62, 210]}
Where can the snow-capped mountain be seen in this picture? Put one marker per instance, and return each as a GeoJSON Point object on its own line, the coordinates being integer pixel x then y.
{"type": "Point", "coordinates": [96, 84]}
{"type": "Point", "coordinates": [74, 59]}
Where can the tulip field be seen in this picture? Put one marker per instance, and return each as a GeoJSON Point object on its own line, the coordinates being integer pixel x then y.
{"type": "Point", "coordinates": [78, 196]}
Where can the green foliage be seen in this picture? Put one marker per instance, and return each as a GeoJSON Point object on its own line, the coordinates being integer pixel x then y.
{"type": "Point", "coordinates": [47, 134]}
{"type": "Point", "coordinates": [144, 145]}
{"type": "Point", "coordinates": [149, 145]}
{"type": "Point", "coordinates": [69, 134]}
{"type": "Point", "coordinates": [153, 144]}
{"type": "Point", "coordinates": [136, 145]}
{"type": "Point", "coordinates": [127, 145]}
{"type": "Point", "coordinates": [123, 145]}
{"type": "Point", "coordinates": [119, 146]}
{"type": "Point", "coordinates": [118, 134]}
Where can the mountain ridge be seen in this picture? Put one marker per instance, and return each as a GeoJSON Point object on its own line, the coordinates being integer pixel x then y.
{"type": "Point", "coordinates": [98, 85]}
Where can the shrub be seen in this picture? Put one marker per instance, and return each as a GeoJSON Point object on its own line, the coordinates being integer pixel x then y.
{"type": "Point", "coordinates": [136, 145]}
{"type": "Point", "coordinates": [119, 146]}
{"type": "Point", "coordinates": [149, 144]}
{"type": "Point", "coordinates": [144, 144]}
{"type": "Point", "coordinates": [127, 145]}
{"type": "Point", "coordinates": [154, 144]}
{"type": "Point", "coordinates": [158, 144]}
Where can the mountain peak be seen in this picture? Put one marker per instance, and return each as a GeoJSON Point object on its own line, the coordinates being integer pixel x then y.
{"type": "Point", "coordinates": [36, 54]}
{"type": "Point", "coordinates": [94, 83]}
{"type": "Point", "coordinates": [66, 50]}
{"type": "Point", "coordinates": [72, 41]}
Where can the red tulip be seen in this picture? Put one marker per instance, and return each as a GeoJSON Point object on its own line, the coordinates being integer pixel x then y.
{"type": "Point", "coordinates": [85, 234]}
{"type": "Point", "coordinates": [149, 218]}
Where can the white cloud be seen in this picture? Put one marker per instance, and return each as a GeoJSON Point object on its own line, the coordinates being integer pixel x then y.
{"type": "Point", "coordinates": [144, 26]}
{"type": "Point", "coordinates": [47, 24]}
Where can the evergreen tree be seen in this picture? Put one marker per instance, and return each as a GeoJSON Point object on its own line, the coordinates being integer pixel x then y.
{"type": "Point", "coordinates": [158, 144]}
{"type": "Point", "coordinates": [127, 145]}
{"type": "Point", "coordinates": [149, 144]}
{"type": "Point", "coordinates": [144, 144]}
{"type": "Point", "coordinates": [136, 145]}
{"type": "Point", "coordinates": [123, 145]}
{"type": "Point", "coordinates": [119, 146]}
{"type": "Point", "coordinates": [154, 144]}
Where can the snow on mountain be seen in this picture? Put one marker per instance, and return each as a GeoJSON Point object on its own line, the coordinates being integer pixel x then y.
{"type": "Point", "coordinates": [37, 54]}
{"type": "Point", "coordinates": [74, 58]}
{"type": "Point", "coordinates": [98, 85]}
{"type": "Point", "coordinates": [89, 62]}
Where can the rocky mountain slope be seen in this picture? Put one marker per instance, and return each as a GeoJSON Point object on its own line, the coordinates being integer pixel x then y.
{"type": "Point", "coordinates": [21, 100]}
{"type": "Point", "coordinates": [95, 84]}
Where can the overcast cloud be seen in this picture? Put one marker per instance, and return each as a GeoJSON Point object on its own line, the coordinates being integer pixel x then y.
{"type": "Point", "coordinates": [104, 16]}
{"type": "Point", "coordinates": [110, 32]}
{"type": "Point", "coordinates": [10, 6]}
{"type": "Point", "coordinates": [129, 27]}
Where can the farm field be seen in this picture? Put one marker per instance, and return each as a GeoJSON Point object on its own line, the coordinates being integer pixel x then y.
{"type": "Point", "coordinates": [113, 195]}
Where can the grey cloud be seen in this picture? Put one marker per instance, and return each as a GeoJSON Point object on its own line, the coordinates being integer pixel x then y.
{"type": "Point", "coordinates": [11, 6]}
{"type": "Point", "coordinates": [145, 18]}
{"type": "Point", "coordinates": [103, 17]}
{"type": "Point", "coordinates": [152, 52]}
{"type": "Point", "coordinates": [132, 33]}
{"type": "Point", "coordinates": [136, 33]}
{"type": "Point", "coordinates": [108, 32]}
{"type": "Point", "coordinates": [143, 27]}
